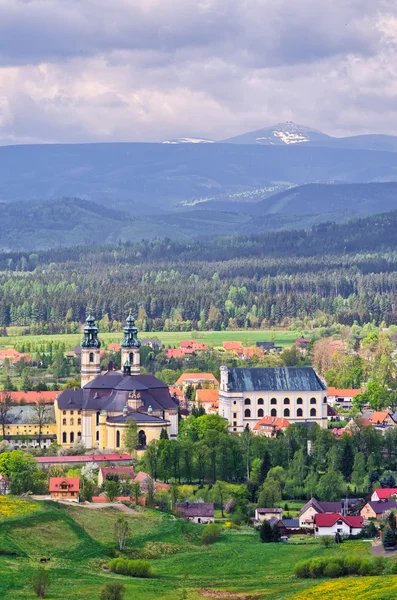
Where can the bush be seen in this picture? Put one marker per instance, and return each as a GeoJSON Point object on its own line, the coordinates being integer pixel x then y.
{"type": "Point", "coordinates": [119, 565]}
{"type": "Point", "coordinates": [334, 568]}
{"type": "Point", "coordinates": [112, 591]}
{"type": "Point", "coordinates": [41, 583]}
{"type": "Point", "coordinates": [366, 567]}
{"type": "Point", "coordinates": [338, 567]}
{"type": "Point", "coordinates": [393, 568]}
{"type": "Point", "coordinates": [327, 540]}
{"type": "Point", "coordinates": [211, 533]}
{"type": "Point", "coordinates": [317, 566]}
{"type": "Point", "coordinates": [302, 569]}
{"type": "Point", "coordinates": [133, 568]}
{"type": "Point", "coordinates": [352, 564]}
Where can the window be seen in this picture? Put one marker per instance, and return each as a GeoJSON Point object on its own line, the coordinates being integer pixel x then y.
{"type": "Point", "coordinates": [273, 401]}
{"type": "Point", "coordinates": [131, 357]}
{"type": "Point", "coordinates": [235, 402]}
{"type": "Point", "coordinates": [91, 357]}
{"type": "Point", "coordinates": [312, 412]}
{"type": "Point", "coordinates": [79, 435]}
{"type": "Point", "coordinates": [273, 412]}
{"type": "Point", "coordinates": [142, 438]}
{"type": "Point", "coordinates": [325, 400]}
{"type": "Point", "coordinates": [234, 415]}
{"type": "Point", "coordinates": [234, 425]}
{"type": "Point", "coordinates": [286, 412]}
{"type": "Point", "coordinates": [117, 439]}
{"type": "Point", "coordinates": [286, 400]}
{"type": "Point", "coordinates": [313, 401]}
{"type": "Point", "coordinates": [71, 437]}
{"type": "Point", "coordinates": [97, 436]}
{"type": "Point", "coordinates": [97, 417]}
{"type": "Point", "coordinates": [260, 412]}
{"type": "Point", "coordinates": [247, 401]}
{"type": "Point", "coordinates": [79, 412]}
{"type": "Point", "coordinates": [63, 421]}
{"type": "Point", "coordinates": [72, 412]}
{"type": "Point", "coordinates": [260, 401]}
{"type": "Point", "coordinates": [299, 412]}
{"type": "Point", "coordinates": [247, 413]}
{"type": "Point", "coordinates": [299, 401]}
{"type": "Point", "coordinates": [64, 437]}
{"type": "Point", "coordinates": [64, 412]}
{"type": "Point", "coordinates": [72, 421]}
{"type": "Point", "coordinates": [78, 421]}
{"type": "Point", "coordinates": [234, 428]}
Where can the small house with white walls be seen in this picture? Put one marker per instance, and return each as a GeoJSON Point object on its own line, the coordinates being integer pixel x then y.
{"type": "Point", "coordinates": [334, 523]}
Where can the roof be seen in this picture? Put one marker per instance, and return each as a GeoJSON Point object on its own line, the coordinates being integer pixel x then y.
{"type": "Point", "coordinates": [274, 379]}
{"type": "Point", "coordinates": [232, 345]}
{"type": "Point", "coordinates": [118, 469]}
{"type": "Point", "coordinates": [138, 417]}
{"type": "Point", "coordinates": [175, 353]}
{"type": "Point", "coordinates": [114, 347]}
{"type": "Point", "coordinates": [381, 507]}
{"type": "Point", "coordinates": [343, 392]}
{"type": "Point", "coordinates": [265, 344]}
{"type": "Point", "coordinates": [34, 397]}
{"type": "Point", "coordinates": [196, 377]}
{"type": "Point", "coordinates": [321, 507]}
{"type": "Point", "coordinates": [267, 511]}
{"type": "Point", "coordinates": [72, 482]}
{"type": "Point", "coordinates": [207, 396]}
{"type": "Point", "coordinates": [379, 417]}
{"type": "Point", "coordinates": [141, 477]}
{"type": "Point", "coordinates": [385, 493]}
{"type": "Point", "coordinates": [21, 415]}
{"type": "Point", "coordinates": [291, 523]}
{"type": "Point", "coordinates": [275, 422]}
{"type": "Point", "coordinates": [198, 509]}
{"type": "Point", "coordinates": [84, 458]}
{"type": "Point", "coordinates": [329, 519]}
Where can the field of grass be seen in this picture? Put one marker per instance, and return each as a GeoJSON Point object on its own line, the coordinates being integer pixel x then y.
{"type": "Point", "coordinates": [78, 542]}
{"type": "Point", "coordinates": [213, 338]}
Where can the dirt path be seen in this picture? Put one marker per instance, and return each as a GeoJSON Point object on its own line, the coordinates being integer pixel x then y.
{"type": "Point", "coordinates": [378, 550]}
{"type": "Point", "coordinates": [91, 505]}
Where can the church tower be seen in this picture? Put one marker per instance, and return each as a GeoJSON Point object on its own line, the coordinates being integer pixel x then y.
{"type": "Point", "coordinates": [130, 345]}
{"type": "Point", "coordinates": [90, 353]}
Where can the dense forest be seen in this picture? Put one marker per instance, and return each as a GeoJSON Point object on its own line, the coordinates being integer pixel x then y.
{"type": "Point", "coordinates": [333, 273]}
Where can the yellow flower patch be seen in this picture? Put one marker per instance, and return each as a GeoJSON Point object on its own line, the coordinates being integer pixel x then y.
{"type": "Point", "coordinates": [11, 507]}
{"type": "Point", "coordinates": [365, 588]}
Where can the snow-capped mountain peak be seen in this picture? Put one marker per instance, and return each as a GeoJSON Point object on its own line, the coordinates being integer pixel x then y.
{"type": "Point", "coordinates": [279, 135]}
{"type": "Point", "coordinates": [189, 140]}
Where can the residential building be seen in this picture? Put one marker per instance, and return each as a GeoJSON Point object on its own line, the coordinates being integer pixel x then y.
{"type": "Point", "coordinates": [114, 347]}
{"type": "Point", "coordinates": [378, 510]}
{"type": "Point", "coordinates": [65, 488]}
{"type": "Point", "coordinates": [144, 480]}
{"type": "Point", "coordinates": [314, 507]}
{"type": "Point", "coordinates": [342, 397]}
{"type": "Point", "coordinates": [382, 419]}
{"type": "Point", "coordinates": [270, 426]}
{"type": "Point", "coordinates": [208, 399]}
{"type": "Point", "coordinates": [199, 512]}
{"type": "Point", "coordinates": [22, 428]}
{"type": "Point", "coordinates": [192, 346]}
{"type": "Point", "coordinates": [265, 345]}
{"type": "Point", "coordinates": [247, 395]}
{"type": "Point", "coordinates": [232, 346]}
{"type": "Point", "coordinates": [175, 353]}
{"type": "Point", "coordinates": [195, 379]}
{"type": "Point", "coordinates": [13, 356]}
{"type": "Point", "coordinates": [383, 494]}
{"type": "Point", "coordinates": [99, 412]}
{"type": "Point", "coordinates": [122, 472]}
{"type": "Point", "coordinates": [23, 398]}
{"type": "Point", "coordinates": [333, 523]}
{"type": "Point", "coordinates": [267, 514]}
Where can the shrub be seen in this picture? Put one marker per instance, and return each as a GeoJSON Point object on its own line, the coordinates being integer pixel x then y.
{"type": "Point", "coordinates": [41, 583]}
{"type": "Point", "coordinates": [379, 564]}
{"type": "Point", "coordinates": [393, 568]}
{"type": "Point", "coordinates": [327, 540]}
{"type": "Point", "coordinates": [334, 568]}
{"type": "Point", "coordinates": [302, 569]}
{"type": "Point", "coordinates": [211, 533]}
{"type": "Point", "coordinates": [366, 567]}
{"type": "Point", "coordinates": [119, 565]}
{"type": "Point", "coordinates": [112, 591]}
{"type": "Point", "coordinates": [388, 538]}
{"type": "Point", "coordinates": [139, 568]}
{"type": "Point", "coordinates": [352, 564]}
{"type": "Point", "coordinates": [317, 566]}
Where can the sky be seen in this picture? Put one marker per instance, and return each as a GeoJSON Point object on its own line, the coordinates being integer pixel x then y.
{"type": "Point", "coordinates": [151, 70]}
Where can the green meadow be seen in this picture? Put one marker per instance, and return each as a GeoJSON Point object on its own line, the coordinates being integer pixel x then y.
{"type": "Point", "coordinates": [79, 542]}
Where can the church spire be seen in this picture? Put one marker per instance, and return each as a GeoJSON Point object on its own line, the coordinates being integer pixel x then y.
{"type": "Point", "coordinates": [90, 353]}
{"type": "Point", "coordinates": [130, 338]}
{"type": "Point", "coordinates": [130, 354]}
{"type": "Point", "coordinates": [90, 339]}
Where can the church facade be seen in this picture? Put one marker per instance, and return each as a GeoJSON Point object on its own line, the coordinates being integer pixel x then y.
{"type": "Point", "coordinates": [98, 413]}
{"type": "Point", "coordinates": [295, 394]}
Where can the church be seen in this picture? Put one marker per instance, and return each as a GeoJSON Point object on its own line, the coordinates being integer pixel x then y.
{"type": "Point", "coordinates": [292, 393]}
{"type": "Point", "coordinates": [97, 414]}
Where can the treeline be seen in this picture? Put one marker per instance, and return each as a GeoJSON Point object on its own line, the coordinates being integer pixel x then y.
{"type": "Point", "coordinates": [330, 274]}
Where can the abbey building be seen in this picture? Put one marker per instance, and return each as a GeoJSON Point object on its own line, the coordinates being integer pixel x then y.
{"type": "Point", "coordinates": [98, 413]}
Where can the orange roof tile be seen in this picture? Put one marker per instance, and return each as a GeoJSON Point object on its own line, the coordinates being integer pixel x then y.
{"type": "Point", "coordinates": [343, 393]}
{"type": "Point", "coordinates": [72, 482]}
{"type": "Point", "coordinates": [197, 377]}
{"type": "Point", "coordinates": [277, 422]}
{"type": "Point", "coordinates": [232, 345]}
{"type": "Point", "coordinates": [379, 417]}
{"type": "Point", "coordinates": [207, 396]}
{"type": "Point", "coordinates": [34, 397]}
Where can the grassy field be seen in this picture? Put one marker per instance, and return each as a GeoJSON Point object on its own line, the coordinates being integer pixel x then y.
{"type": "Point", "coordinates": [237, 567]}
{"type": "Point", "coordinates": [213, 338]}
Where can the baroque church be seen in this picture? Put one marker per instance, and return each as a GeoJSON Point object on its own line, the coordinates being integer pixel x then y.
{"type": "Point", "coordinates": [97, 414]}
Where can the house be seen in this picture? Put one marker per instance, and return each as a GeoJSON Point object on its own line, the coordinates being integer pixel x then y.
{"type": "Point", "coordinates": [144, 480]}
{"type": "Point", "coordinates": [314, 507]}
{"type": "Point", "coordinates": [175, 353]}
{"type": "Point", "coordinates": [232, 346]}
{"type": "Point", "coordinates": [270, 426]}
{"type": "Point", "coordinates": [152, 343]}
{"type": "Point", "coordinates": [249, 394]}
{"type": "Point", "coordinates": [208, 399]}
{"type": "Point", "coordinates": [199, 512]}
{"type": "Point", "coordinates": [120, 459]}
{"type": "Point", "coordinates": [265, 345]}
{"type": "Point", "coordinates": [114, 347]}
{"type": "Point", "coordinates": [195, 379]}
{"type": "Point", "coordinates": [250, 351]}
{"type": "Point", "coordinates": [383, 419]}
{"type": "Point", "coordinates": [302, 342]}
{"type": "Point", "coordinates": [383, 494]}
{"type": "Point", "coordinates": [13, 356]}
{"type": "Point", "coordinates": [377, 510]}
{"type": "Point", "coordinates": [66, 488]}
{"type": "Point", "coordinates": [22, 428]}
{"type": "Point", "coordinates": [192, 346]}
{"type": "Point", "coordinates": [33, 397]}
{"type": "Point", "coordinates": [122, 472]}
{"type": "Point", "coordinates": [291, 526]}
{"type": "Point", "coordinates": [333, 523]}
{"type": "Point", "coordinates": [342, 396]}
{"type": "Point", "coordinates": [266, 514]}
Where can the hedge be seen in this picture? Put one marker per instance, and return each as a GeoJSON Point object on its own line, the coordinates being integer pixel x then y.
{"type": "Point", "coordinates": [133, 568]}
{"type": "Point", "coordinates": [338, 567]}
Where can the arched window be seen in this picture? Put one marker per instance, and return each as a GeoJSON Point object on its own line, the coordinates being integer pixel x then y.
{"type": "Point", "coordinates": [64, 412]}
{"type": "Point", "coordinates": [312, 412]}
{"type": "Point", "coordinates": [72, 412]}
{"type": "Point", "coordinates": [64, 437]}
{"type": "Point", "coordinates": [313, 401]}
{"type": "Point", "coordinates": [142, 438]}
{"type": "Point", "coordinates": [273, 401]}
{"type": "Point", "coordinates": [299, 401]}
{"type": "Point", "coordinates": [97, 436]}
{"type": "Point", "coordinates": [79, 435]}
{"type": "Point", "coordinates": [286, 412]}
{"type": "Point", "coordinates": [78, 421]}
{"type": "Point", "coordinates": [117, 439]}
{"type": "Point", "coordinates": [71, 437]}
{"type": "Point", "coordinates": [325, 400]}
{"type": "Point", "coordinates": [247, 412]}
{"type": "Point", "coordinates": [72, 421]}
{"type": "Point", "coordinates": [299, 412]}
{"type": "Point", "coordinates": [286, 400]}
{"type": "Point", "coordinates": [260, 401]}
{"type": "Point", "coordinates": [260, 412]}
{"type": "Point", "coordinates": [131, 357]}
{"type": "Point", "coordinates": [91, 357]}
{"type": "Point", "coordinates": [63, 421]}
{"type": "Point", "coordinates": [247, 401]}
{"type": "Point", "coordinates": [97, 417]}
{"type": "Point", "coordinates": [273, 412]}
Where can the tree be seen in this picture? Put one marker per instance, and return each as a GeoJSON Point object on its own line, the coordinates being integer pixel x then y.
{"type": "Point", "coordinates": [270, 493]}
{"type": "Point", "coordinates": [87, 490]}
{"type": "Point", "coordinates": [389, 481]}
{"type": "Point", "coordinates": [164, 434]}
{"type": "Point", "coordinates": [266, 532]}
{"type": "Point", "coordinates": [121, 532]}
{"type": "Point", "coordinates": [135, 491]}
{"type": "Point", "coordinates": [330, 486]}
{"type": "Point", "coordinates": [5, 409]}
{"type": "Point", "coordinates": [391, 519]}
{"type": "Point", "coordinates": [41, 415]}
{"type": "Point", "coordinates": [130, 439]}
{"type": "Point", "coordinates": [112, 591]}
{"type": "Point", "coordinates": [266, 465]}
{"type": "Point", "coordinates": [111, 489]}
{"type": "Point", "coordinates": [218, 493]}
{"type": "Point", "coordinates": [150, 491]}
{"type": "Point", "coordinates": [27, 383]}
{"type": "Point", "coordinates": [388, 538]}
{"type": "Point", "coordinates": [276, 533]}
{"type": "Point", "coordinates": [41, 582]}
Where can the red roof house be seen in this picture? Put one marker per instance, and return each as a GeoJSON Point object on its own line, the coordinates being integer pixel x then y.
{"type": "Point", "coordinates": [333, 523]}
{"type": "Point", "coordinates": [382, 494]}
{"type": "Point", "coordinates": [65, 487]}
{"type": "Point", "coordinates": [269, 426]}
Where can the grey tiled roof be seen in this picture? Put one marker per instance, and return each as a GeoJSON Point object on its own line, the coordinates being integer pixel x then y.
{"type": "Point", "coordinates": [275, 379]}
{"type": "Point", "coordinates": [198, 509]}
